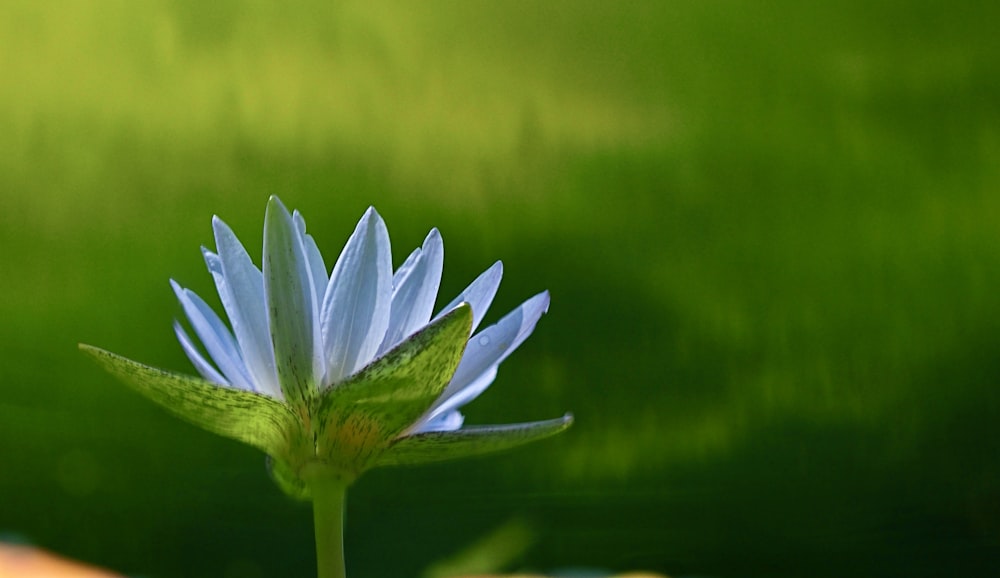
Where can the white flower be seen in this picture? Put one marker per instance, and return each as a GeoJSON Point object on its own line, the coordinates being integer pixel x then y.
{"type": "Point", "coordinates": [343, 372]}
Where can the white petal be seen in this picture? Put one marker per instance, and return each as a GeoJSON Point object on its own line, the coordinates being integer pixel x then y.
{"type": "Point", "coordinates": [241, 289]}
{"type": "Point", "coordinates": [492, 345]}
{"type": "Point", "coordinates": [356, 307]}
{"type": "Point", "coordinates": [405, 268]}
{"type": "Point", "coordinates": [200, 363]}
{"type": "Point", "coordinates": [316, 265]}
{"type": "Point", "coordinates": [291, 305]}
{"type": "Point", "coordinates": [414, 289]}
{"type": "Point", "coordinates": [479, 294]}
{"type": "Point", "coordinates": [450, 421]}
{"type": "Point", "coordinates": [214, 335]}
{"type": "Point", "coordinates": [460, 397]}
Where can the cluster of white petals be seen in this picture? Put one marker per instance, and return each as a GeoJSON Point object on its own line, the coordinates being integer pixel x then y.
{"type": "Point", "coordinates": [297, 329]}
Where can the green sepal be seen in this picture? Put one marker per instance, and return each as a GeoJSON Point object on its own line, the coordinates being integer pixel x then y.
{"type": "Point", "coordinates": [359, 417]}
{"type": "Point", "coordinates": [251, 418]}
{"type": "Point", "coordinates": [284, 477]}
{"type": "Point", "coordinates": [439, 446]}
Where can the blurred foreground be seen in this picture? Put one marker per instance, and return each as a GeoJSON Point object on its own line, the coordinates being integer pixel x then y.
{"type": "Point", "coordinates": [26, 562]}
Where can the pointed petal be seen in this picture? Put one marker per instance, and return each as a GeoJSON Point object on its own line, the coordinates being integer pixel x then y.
{"type": "Point", "coordinates": [316, 265]}
{"type": "Point", "coordinates": [492, 345]}
{"type": "Point", "coordinates": [200, 363]}
{"type": "Point", "coordinates": [251, 418]}
{"type": "Point", "coordinates": [458, 399]}
{"type": "Point", "coordinates": [438, 446]}
{"type": "Point", "coordinates": [241, 289]}
{"type": "Point", "coordinates": [479, 294]}
{"type": "Point", "coordinates": [291, 306]}
{"type": "Point", "coordinates": [357, 302]}
{"type": "Point", "coordinates": [359, 416]}
{"type": "Point", "coordinates": [400, 274]}
{"type": "Point", "coordinates": [215, 336]}
{"type": "Point", "coordinates": [317, 269]}
{"type": "Point", "coordinates": [415, 287]}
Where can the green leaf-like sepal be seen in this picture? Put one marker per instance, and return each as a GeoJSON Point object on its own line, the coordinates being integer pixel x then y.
{"type": "Point", "coordinates": [251, 418]}
{"type": "Point", "coordinates": [286, 479]}
{"type": "Point", "coordinates": [439, 446]}
{"type": "Point", "coordinates": [361, 416]}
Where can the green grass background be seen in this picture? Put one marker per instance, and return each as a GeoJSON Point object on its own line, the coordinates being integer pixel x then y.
{"type": "Point", "coordinates": [771, 231]}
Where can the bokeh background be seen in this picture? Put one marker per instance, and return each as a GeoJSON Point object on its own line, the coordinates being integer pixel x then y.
{"type": "Point", "coordinates": [771, 231]}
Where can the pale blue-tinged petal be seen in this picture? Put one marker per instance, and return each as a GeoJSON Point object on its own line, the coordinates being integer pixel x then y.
{"type": "Point", "coordinates": [479, 294]}
{"type": "Point", "coordinates": [414, 289]}
{"type": "Point", "coordinates": [492, 345]}
{"type": "Point", "coordinates": [450, 402]}
{"type": "Point", "coordinates": [291, 307]}
{"type": "Point", "coordinates": [200, 363]}
{"type": "Point", "coordinates": [356, 307]}
{"type": "Point", "coordinates": [214, 336]}
{"type": "Point", "coordinates": [316, 265]}
{"type": "Point", "coordinates": [437, 446]}
{"type": "Point", "coordinates": [317, 269]}
{"type": "Point", "coordinates": [405, 268]}
{"type": "Point", "coordinates": [447, 421]}
{"type": "Point", "coordinates": [241, 290]}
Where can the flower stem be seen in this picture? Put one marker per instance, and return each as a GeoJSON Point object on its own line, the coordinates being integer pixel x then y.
{"type": "Point", "coordinates": [328, 517]}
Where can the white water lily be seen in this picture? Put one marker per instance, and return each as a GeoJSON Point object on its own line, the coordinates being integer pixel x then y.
{"type": "Point", "coordinates": [331, 375]}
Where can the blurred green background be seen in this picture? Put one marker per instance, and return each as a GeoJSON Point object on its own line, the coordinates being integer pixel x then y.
{"type": "Point", "coordinates": [771, 231]}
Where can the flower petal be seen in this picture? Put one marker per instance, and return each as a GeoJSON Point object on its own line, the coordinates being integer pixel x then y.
{"type": "Point", "coordinates": [360, 416]}
{"type": "Point", "coordinates": [291, 305]}
{"type": "Point", "coordinates": [215, 336]}
{"type": "Point", "coordinates": [437, 446]}
{"type": "Point", "coordinates": [255, 419]}
{"type": "Point", "coordinates": [241, 289]}
{"type": "Point", "coordinates": [200, 363]}
{"type": "Point", "coordinates": [479, 294]}
{"type": "Point", "coordinates": [414, 289]}
{"type": "Point", "coordinates": [356, 306]}
{"type": "Point", "coordinates": [316, 265]}
{"type": "Point", "coordinates": [447, 421]}
{"type": "Point", "coordinates": [453, 402]}
{"type": "Point", "coordinates": [492, 345]}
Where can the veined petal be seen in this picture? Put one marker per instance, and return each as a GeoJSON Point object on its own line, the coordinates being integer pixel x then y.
{"type": "Point", "coordinates": [492, 345]}
{"type": "Point", "coordinates": [214, 335]}
{"type": "Point", "coordinates": [255, 419]}
{"type": "Point", "coordinates": [356, 307]}
{"type": "Point", "coordinates": [437, 446]}
{"type": "Point", "coordinates": [316, 265]}
{"type": "Point", "coordinates": [241, 290]}
{"type": "Point", "coordinates": [479, 294]}
{"type": "Point", "coordinates": [414, 289]}
{"type": "Point", "coordinates": [291, 305]}
{"type": "Point", "coordinates": [363, 414]}
{"type": "Point", "coordinates": [200, 363]}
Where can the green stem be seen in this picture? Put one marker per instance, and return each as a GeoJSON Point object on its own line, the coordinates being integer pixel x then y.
{"type": "Point", "coordinates": [328, 517]}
